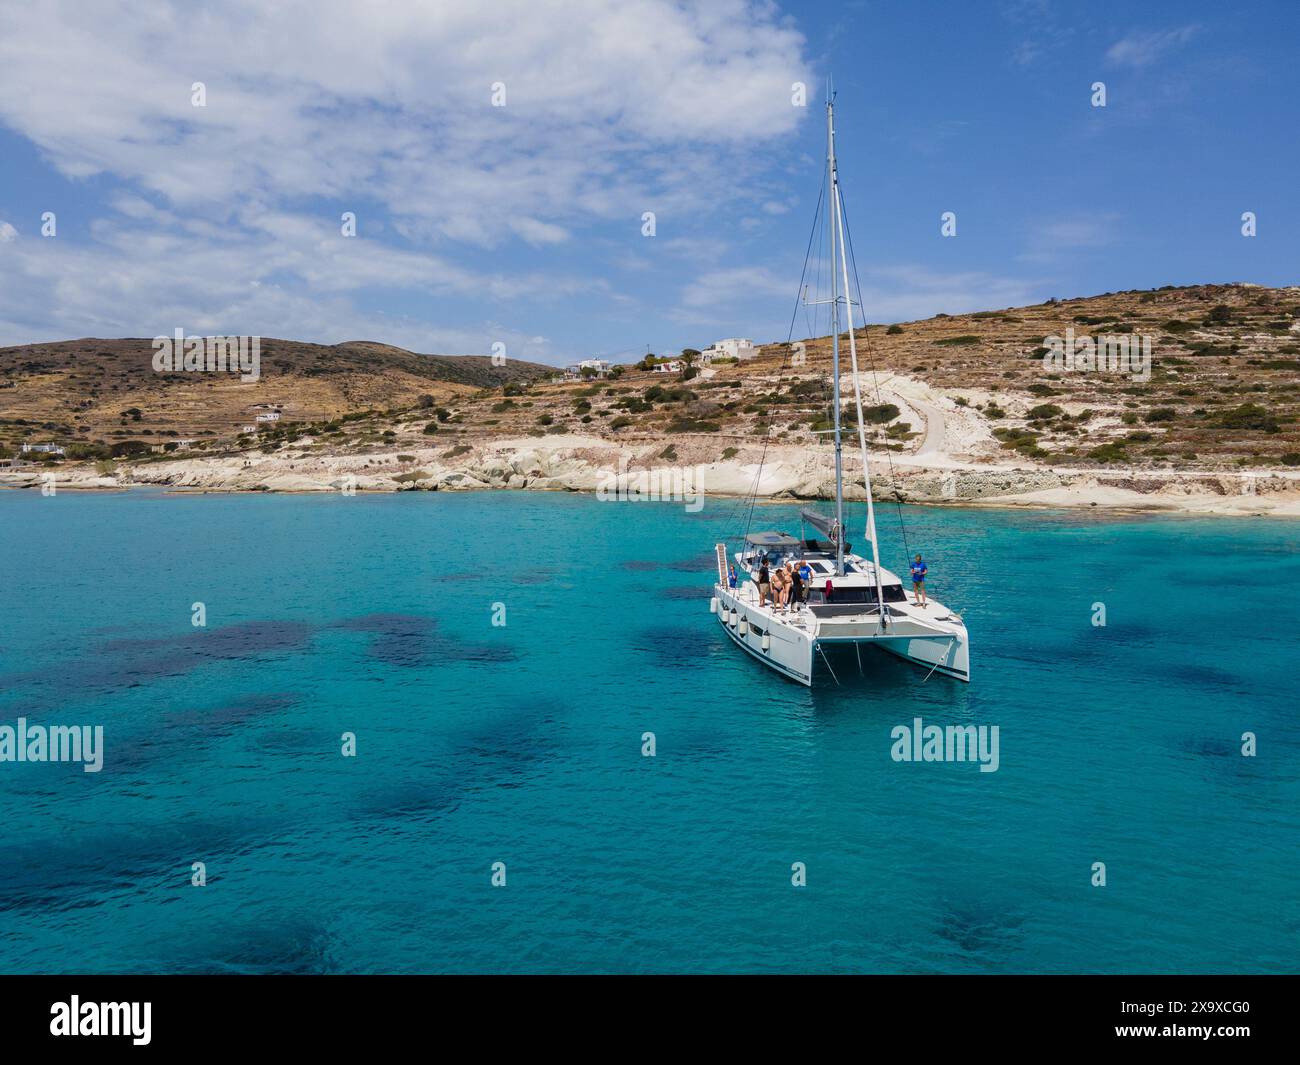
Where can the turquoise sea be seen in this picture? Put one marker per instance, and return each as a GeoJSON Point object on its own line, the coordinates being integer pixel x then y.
{"type": "Point", "coordinates": [522, 744]}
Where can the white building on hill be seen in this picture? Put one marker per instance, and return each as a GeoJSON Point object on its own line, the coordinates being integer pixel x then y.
{"type": "Point", "coordinates": [732, 348]}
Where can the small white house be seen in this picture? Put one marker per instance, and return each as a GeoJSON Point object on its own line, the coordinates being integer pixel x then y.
{"type": "Point", "coordinates": [249, 429]}
{"type": "Point", "coordinates": [672, 366]}
{"type": "Point", "coordinates": [42, 449]}
{"type": "Point", "coordinates": [732, 348]}
{"type": "Point", "coordinates": [269, 416]}
{"type": "Point", "coordinates": [600, 367]}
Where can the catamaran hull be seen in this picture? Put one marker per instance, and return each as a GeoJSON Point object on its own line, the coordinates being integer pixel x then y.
{"type": "Point", "coordinates": [794, 651]}
{"type": "Point", "coordinates": [785, 649]}
{"type": "Point", "coordinates": [938, 655]}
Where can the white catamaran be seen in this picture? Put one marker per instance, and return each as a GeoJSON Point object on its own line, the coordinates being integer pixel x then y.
{"type": "Point", "coordinates": [850, 600]}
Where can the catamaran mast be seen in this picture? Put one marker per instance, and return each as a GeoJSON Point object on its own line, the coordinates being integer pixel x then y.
{"type": "Point", "coordinates": [835, 345]}
{"type": "Point", "coordinates": [837, 239]}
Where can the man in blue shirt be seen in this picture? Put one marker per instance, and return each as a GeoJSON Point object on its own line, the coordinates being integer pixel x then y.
{"type": "Point", "coordinates": [918, 580]}
{"type": "Point", "coordinates": [731, 576]}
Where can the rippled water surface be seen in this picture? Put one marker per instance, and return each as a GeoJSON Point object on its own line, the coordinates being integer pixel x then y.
{"type": "Point", "coordinates": [522, 744]}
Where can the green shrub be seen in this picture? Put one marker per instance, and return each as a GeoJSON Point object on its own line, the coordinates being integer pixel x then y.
{"type": "Point", "coordinates": [659, 394]}
{"type": "Point", "coordinates": [894, 330]}
{"type": "Point", "coordinates": [1248, 416]}
{"type": "Point", "coordinates": [681, 424]}
{"type": "Point", "coordinates": [877, 415]}
{"type": "Point", "coordinates": [1111, 452]}
{"type": "Point", "coordinates": [1161, 414]}
{"type": "Point", "coordinates": [430, 428]}
{"type": "Point", "coordinates": [1022, 441]}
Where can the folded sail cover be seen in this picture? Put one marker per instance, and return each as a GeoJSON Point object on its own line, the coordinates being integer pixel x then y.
{"type": "Point", "coordinates": [823, 523]}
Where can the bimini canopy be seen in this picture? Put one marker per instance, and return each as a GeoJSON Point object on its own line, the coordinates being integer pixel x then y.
{"type": "Point", "coordinates": [772, 540]}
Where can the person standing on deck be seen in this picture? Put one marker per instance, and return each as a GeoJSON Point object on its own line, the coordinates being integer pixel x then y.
{"type": "Point", "coordinates": [778, 589]}
{"type": "Point", "coordinates": [764, 583]}
{"type": "Point", "coordinates": [796, 588]}
{"type": "Point", "coordinates": [731, 577]}
{"type": "Point", "coordinates": [919, 569]}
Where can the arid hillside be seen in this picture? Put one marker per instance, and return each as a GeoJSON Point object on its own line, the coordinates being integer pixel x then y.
{"type": "Point", "coordinates": [1221, 392]}
{"type": "Point", "coordinates": [101, 392]}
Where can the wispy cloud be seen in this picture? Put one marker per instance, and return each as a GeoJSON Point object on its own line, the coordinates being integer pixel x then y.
{"type": "Point", "coordinates": [386, 110]}
{"type": "Point", "coordinates": [1040, 27]}
{"type": "Point", "coordinates": [1056, 239]}
{"type": "Point", "coordinates": [762, 299]}
{"type": "Point", "coordinates": [1141, 49]}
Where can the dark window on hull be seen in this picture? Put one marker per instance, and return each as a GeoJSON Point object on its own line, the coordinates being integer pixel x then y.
{"type": "Point", "coordinates": [893, 594]}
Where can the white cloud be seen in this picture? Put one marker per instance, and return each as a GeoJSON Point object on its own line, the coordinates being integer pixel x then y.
{"type": "Point", "coordinates": [298, 285]}
{"type": "Point", "coordinates": [7, 233]}
{"type": "Point", "coordinates": [1142, 49]}
{"type": "Point", "coordinates": [606, 105]}
{"type": "Point", "coordinates": [1054, 240]}
{"type": "Point", "coordinates": [1045, 30]}
{"type": "Point", "coordinates": [732, 297]}
{"type": "Point", "coordinates": [735, 285]}
{"type": "Point", "coordinates": [907, 292]}
{"type": "Point", "coordinates": [228, 214]}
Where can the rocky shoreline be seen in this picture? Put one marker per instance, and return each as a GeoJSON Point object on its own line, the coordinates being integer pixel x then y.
{"type": "Point", "coordinates": [598, 465]}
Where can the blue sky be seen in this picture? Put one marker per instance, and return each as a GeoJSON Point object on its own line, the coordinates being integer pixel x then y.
{"type": "Point", "coordinates": [522, 224]}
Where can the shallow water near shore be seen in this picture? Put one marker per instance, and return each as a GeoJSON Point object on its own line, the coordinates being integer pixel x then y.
{"type": "Point", "coordinates": [522, 744]}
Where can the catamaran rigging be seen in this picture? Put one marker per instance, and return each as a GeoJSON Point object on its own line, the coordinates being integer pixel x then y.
{"type": "Point", "coordinates": [860, 602]}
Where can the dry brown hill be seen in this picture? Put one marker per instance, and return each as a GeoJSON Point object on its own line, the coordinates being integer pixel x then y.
{"type": "Point", "coordinates": [1223, 390]}
{"type": "Point", "coordinates": [1223, 393]}
{"type": "Point", "coordinates": [107, 391]}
